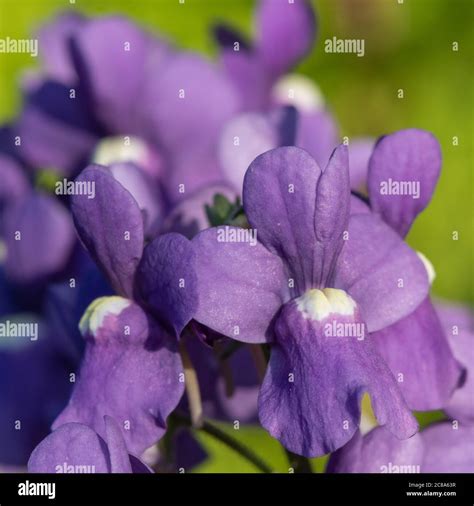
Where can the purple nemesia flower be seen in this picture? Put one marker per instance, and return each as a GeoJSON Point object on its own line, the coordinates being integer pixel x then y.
{"type": "Point", "coordinates": [440, 448]}
{"type": "Point", "coordinates": [39, 238]}
{"type": "Point", "coordinates": [403, 170]}
{"type": "Point", "coordinates": [76, 448]}
{"type": "Point", "coordinates": [131, 369]}
{"type": "Point", "coordinates": [301, 277]}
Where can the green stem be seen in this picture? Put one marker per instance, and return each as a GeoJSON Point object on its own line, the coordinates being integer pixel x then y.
{"type": "Point", "coordinates": [298, 463]}
{"type": "Point", "coordinates": [223, 437]}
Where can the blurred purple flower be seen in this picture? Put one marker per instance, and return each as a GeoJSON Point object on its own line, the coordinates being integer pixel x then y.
{"type": "Point", "coordinates": [285, 33]}
{"type": "Point", "coordinates": [300, 276]}
{"type": "Point", "coordinates": [96, 69]}
{"type": "Point", "coordinates": [54, 358]}
{"type": "Point", "coordinates": [34, 386]}
{"type": "Point", "coordinates": [36, 228]}
{"type": "Point", "coordinates": [131, 369]}
{"type": "Point", "coordinates": [252, 133]}
{"type": "Point", "coordinates": [440, 448]}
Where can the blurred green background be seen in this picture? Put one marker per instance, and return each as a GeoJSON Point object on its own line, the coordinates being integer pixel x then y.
{"type": "Point", "coordinates": [408, 45]}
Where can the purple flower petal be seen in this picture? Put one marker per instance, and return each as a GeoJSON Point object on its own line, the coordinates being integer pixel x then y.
{"type": "Point", "coordinates": [360, 150]}
{"type": "Point", "coordinates": [317, 374]}
{"type": "Point", "coordinates": [115, 56]}
{"type": "Point", "coordinates": [458, 322]}
{"type": "Point", "coordinates": [380, 272]}
{"type": "Point", "coordinates": [378, 452]}
{"type": "Point", "coordinates": [130, 372]}
{"type": "Point", "coordinates": [241, 285]}
{"type": "Point", "coordinates": [448, 449]}
{"type": "Point", "coordinates": [76, 448]}
{"type": "Point", "coordinates": [14, 184]}
{"type": "Point", "coordinates": [142, 189]}
{"type": "Point", "coordinates": [22, 396]}
{"type": "Point", "coordinates": [358, 205]}
{"type": "Point", "coordinates": [190, 101]}
{"type": "Point", "coordinates": [299, 214]}
{"type": "Point", "coordinates": [244, 138]}
{"type": "Point", "coordinates": [229, 387]}
{"type": "Point", "coordinates": [440, 448]}
{"type": "Point", "coordinates": [249, 77]}
{"type": "Point", "coordinates": [418, 354]}
{"type": "Point", "coordinates": [403, 172]}
{"type": "Point", "coordinates": [111, 226]}
{"type": "Point", "coordinates": [286, 32]}
{"type": "Point", "coordinates": [72, 444]}
{"type": "Point", "coordinates": [250, 134]}
{"type": "Point", "coordinates": [119, 457]}
{"type": "Point", "coordinates": [39, 235]}
{"type": "Point", "coordinates": [243, 403]}
{"type": "Point", "coordinates": [167, 280]}
{"type": "Point", "coordinates": [56, 131]}
{"type": "Point", "coordinates": [318, 134]}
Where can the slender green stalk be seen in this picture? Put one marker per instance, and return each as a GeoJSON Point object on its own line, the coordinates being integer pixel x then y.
{"type": "Point", "coordinates": [209, 428]}
{"type": "Point", "coordinates": [192, 387]}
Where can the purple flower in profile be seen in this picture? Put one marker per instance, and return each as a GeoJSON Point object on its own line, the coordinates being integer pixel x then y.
{"type": "Point", "coordinates": [76, 448]}
{"type": "Point", "coordinates": [402, 174]}
{"type": "Point", "coordinates": [131, 369]}
{"type": "Point", "coordinates": [440, 448]}
{"type": "Point", "coordinates": [314, 285]}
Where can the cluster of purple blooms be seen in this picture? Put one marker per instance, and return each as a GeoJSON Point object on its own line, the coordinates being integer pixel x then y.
{"type": "Point", "coordinates": [289, 309]}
